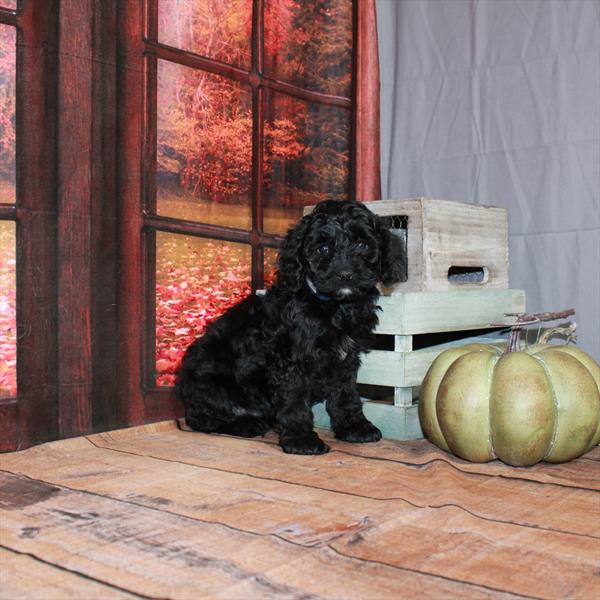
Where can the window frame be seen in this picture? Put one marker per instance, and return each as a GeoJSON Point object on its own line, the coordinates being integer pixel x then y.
{"type": "Point", "coordinates": [65, 213]}
{"type": "Point", "coordinates": [142, 50]}
{"type": "Point", "coordinates": [31, 416]}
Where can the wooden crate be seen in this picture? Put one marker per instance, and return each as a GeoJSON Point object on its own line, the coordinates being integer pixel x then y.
{"type": "Point", "coordinates": [402, 369]}
{"type": "Point", "coordinates": [449, 245]}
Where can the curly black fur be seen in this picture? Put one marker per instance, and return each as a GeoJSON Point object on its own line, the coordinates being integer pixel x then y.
{"type": "Point", "coordinates": [267, 360]}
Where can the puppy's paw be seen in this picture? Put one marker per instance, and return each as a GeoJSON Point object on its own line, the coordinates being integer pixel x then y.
{"type": "Point", "coordinates": [360, 432]}
{"type": "Point", "coordinates": [303, 444]}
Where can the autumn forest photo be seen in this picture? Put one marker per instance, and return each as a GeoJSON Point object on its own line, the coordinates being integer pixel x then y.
{"type": "Point", "coordinates": [249, 120]}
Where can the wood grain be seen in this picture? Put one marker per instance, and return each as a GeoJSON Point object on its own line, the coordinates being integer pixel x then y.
{"type": "Point", "coordinates": [161, 512]}
{"type": "Point", "coordinates": [427, 312]}
{"type": "Point", "coordinates": [443, 234]}
{"type": "Point", "coordinates": [161, 554]}
{"type": "Point", "coordinates": [57, 584]}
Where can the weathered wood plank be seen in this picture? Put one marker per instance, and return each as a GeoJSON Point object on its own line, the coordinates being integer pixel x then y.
{"type": "Point", "coordinates": [360, 501]}
{"type": "Point", "coordinates": [510, 500]}
{"type": "Point", "coordinates": [407, 369]}
{"type": "Point", "coordinates": [443, 234]}
{"type": "Point", "coordinates": [302, 515]}
{"type": "Point", "coordinates": [166, 555]}
{"type": "Point", "coordinates": [23, 576]}
{"type": "Point", "coordinates": [452, 543]}
{"type": "Point", "coordinates": [383, 367]}
{"type": "Point", "coordinates": [427, 312]}
{"type": "Point", "coordinates": [582, 472]}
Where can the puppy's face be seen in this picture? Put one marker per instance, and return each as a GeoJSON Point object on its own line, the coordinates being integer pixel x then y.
{"type": "Point", "coordinates": [342, 250]}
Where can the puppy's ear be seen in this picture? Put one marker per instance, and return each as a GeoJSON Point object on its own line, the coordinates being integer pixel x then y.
{"type": "Point", "coordinates": [393, 255]}
{"type": "Point", "coordinates": [290, 264]}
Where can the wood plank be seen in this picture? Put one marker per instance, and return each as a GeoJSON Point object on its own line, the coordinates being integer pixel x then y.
{"type": "Point", "coordinates": [444, 541]}
{"type": "Point", "coordinates": [407, 369]}
{"type": "Point", "coordinates": [16, 580]}
{"type": "Point", "coordinates": [130, 284]}
{"type": "Point", "coordinates": [463, 234]}
{"type": "Point", "coordinates": [501, 499]}
{"type": "Point", "coordinates": [162, 554]}
{"type": "Point", "coordinates": [581, 472]}
{"type": "Point", "coordinates": [452, 543]}
{"type": "Point", "coordinates": [428, 312]}
{"type": "Point", "coordinates": [106, 412]}
{"type": "Point", "coordinates": [36, 418]}
{"type": "Point", "coordinates": [74, 170]}
{"type": "Point", "coordinates": [383, 367]}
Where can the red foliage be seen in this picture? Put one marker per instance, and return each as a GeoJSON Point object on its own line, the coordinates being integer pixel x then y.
{"type": "Point", "coordinates": [8, 314]}
{"type": "Point", "coordinates": [193, 291]}
{"type": "Point", "coordinates": [7, 103]}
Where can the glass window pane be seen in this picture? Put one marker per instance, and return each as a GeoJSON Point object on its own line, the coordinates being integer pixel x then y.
{"type": "Point", "coordinates": [219, 29]}
{"type": "Point", "coordinates": [8, 310]}
{"type": "Point", "coordinates": [310, 44]}
{"type": "Point", "coordinates": [196, 280]}
{"type": "Point", "coordinates": [204, 153]}
{"type": "Point", "coordinates": [7, 113]}
{"type": "Point", "coordinates": [307, 158]}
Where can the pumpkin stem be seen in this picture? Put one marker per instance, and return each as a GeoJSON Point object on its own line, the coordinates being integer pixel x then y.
{"type": "Point", "coordinates": [566, 331]}
{"type": "Point", "coordinates": [523, 319]}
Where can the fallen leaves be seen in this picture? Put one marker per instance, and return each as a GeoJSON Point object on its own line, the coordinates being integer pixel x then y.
{"type": "Point", "coordinates": [8, 311]}
{"type": "Point", "coordinates": [196, 281]}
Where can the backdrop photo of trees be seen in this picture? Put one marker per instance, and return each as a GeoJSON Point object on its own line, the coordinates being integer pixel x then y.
{"type": "Point", "coordinates": [206, 160]}
{"type": "Point", "coordinates": [8, 273]}
{"type": "Point", "coordinates": [204, 147]}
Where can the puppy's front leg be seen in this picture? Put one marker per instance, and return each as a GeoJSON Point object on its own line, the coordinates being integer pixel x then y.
{"type": "Point", "coordinates": [295, 420]}
{"type": "Point", "coordinates": [347, 419]}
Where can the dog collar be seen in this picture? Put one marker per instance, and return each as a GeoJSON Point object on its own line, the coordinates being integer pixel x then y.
{"type": "Point", "coordinates": [315, 292]}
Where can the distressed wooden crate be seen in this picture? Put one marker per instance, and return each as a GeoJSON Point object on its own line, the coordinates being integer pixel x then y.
{"type": "Point", "coordinates": [401, 369]}
{"type": "Point", "coordinates": [449, 245]}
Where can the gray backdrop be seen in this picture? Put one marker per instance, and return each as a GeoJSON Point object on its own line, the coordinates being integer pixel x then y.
{"type": "Point", "coordinates": [498, 102]}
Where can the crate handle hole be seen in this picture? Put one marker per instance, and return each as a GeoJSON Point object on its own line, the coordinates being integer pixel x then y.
{"type": "Point", "coordinates": [460, 275]}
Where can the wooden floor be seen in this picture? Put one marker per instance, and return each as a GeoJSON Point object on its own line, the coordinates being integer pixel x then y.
{"type": "Point", "coordinates": [157, 512]}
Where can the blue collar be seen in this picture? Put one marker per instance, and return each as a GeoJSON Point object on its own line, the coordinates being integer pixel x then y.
{"type": "Point", "coordinates": [315, 292]}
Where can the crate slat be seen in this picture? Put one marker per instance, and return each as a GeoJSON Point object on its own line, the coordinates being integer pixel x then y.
{"type": "Point", "coordinates": [415, 313]}
{"type": "Point", "coordinates": [407, 369]}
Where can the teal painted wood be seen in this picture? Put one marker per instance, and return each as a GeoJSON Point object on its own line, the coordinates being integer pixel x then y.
{"type": "Point", "coordinates": [414, 313]}
{"type": "Point", "coordinates": [406, 369]}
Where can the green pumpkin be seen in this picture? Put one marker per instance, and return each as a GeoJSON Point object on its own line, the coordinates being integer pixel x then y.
{"type": "Point", "coordinates": [543, 403]}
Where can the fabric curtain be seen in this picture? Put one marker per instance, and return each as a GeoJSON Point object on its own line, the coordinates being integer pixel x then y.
{"type": "Point", "coordinates": [498, 102]}
{"type": "Point", "coordinates": [368, 182]}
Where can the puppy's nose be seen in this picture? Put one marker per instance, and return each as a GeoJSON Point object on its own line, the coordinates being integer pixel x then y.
{"type": "Point", "coordinates": [345, 275]}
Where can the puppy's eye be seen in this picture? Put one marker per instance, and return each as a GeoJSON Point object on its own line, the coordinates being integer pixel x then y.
{"type": "Point", "coordinates": [323, 250]}
{"type": "Point", "coordinates": [362, 245]}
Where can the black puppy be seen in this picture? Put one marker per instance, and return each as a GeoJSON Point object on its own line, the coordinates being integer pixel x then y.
{"type": "Point", "coordinates": [267, 360]}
